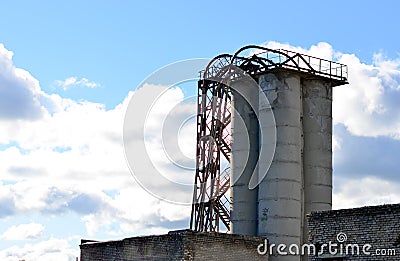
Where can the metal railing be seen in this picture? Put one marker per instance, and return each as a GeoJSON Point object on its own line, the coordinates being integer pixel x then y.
{"type": "Point", "coordinates": [265, 59]}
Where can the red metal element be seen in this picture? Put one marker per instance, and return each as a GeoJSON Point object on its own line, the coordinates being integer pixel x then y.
{"type": "Point", "coordinates": [210, 203]}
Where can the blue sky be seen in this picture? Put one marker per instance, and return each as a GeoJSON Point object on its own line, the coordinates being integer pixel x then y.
{"type": "Point", "coordinates": [119, 43]}
{"type": "Point", "coordinates": [62, 165]}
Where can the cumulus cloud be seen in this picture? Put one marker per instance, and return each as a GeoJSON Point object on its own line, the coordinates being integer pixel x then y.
{"type": "Point", "coordinates": [134, 211]}
{"type": "Point", "coordinates": [47, 250]}
{"type": "Point", "coordinates": [365, 191]}
{"type": "Point", "coordinates": [24, 232]}
{"type": "Point", "coordinates": [72, 160]}
{"type": "Point", "coordinates": [72, 157]}
{"type": "Point", "coordinates": [20, 93]}
{"type": "Point", "coordinates": [76, 82]}
{"type": "Point", "coordinates": [369, 105]}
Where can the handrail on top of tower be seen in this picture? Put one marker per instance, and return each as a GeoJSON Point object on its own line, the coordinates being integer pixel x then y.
{"type": "Point", "coordinates": [278, 58]}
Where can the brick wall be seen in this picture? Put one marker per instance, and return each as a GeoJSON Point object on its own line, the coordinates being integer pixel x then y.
{"type": "Point", "coordinates": [378, 226]}
{"type": "Point", "coordinates": [176, 245]}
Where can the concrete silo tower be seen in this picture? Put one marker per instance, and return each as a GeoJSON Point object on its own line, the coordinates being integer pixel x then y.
{"type": "Point", "coordinates": [279, 145]}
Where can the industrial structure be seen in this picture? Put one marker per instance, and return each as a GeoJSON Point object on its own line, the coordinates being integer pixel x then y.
{"type": "Point", "coordinates": [264, 170]}
{"type": "Point", "coordinates": [233, 122]}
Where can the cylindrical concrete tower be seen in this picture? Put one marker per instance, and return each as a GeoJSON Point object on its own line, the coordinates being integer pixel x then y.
{"type": "Point", "coordinates": [244, 158]}
{"type": "Point", "coordinates": [280, 192]}
{"type": "Point", "coordinates": [317, 153]}
{"type": "Point", "coordinates": [294, 96]}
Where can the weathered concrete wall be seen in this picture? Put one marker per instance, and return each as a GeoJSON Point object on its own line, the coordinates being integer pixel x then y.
{"type": "Point", "coordinates": [244, 157]}
{"type": "Point", "coordinates": [279, 193]}
{"type": "Point", "coordinates": [176, 245]}
{"type": "Point", "coordinates": [378, 226]}
{"type": "Point", "coordinates": [206, 246]}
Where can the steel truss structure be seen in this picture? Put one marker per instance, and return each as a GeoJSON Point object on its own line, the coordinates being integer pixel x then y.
{"type": "Point", "coordinates": [211, 202]}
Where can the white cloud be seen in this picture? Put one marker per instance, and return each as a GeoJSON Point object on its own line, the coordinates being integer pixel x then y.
{"type": "Point", "coordinates": [368, 106]}
{"type": "Point", "coordinates": [20, 93]}
{"type": "Point", "coordinates": [75, 81]}
{"type": "Point", "coordinates": [321, 50]}
{"type": "Point", "coordinates": [48, 250]}
{"type": "Point", "coordinates": [134, 211]}
{"type": "Point", "coordinates": [366, 191]}
{"type": "Point", "coordinates": [72, 159]}
{"type": "Point", "coordinates": [68, 160]}
{"type": "Point", "coordinates": [24, 232]}
{"type": "Point", "coordinates": [336, 141]}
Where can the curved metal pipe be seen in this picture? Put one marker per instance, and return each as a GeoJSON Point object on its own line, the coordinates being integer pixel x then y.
{"type": "Point", "coordinates": [235, 55]}
{"type": "Point", "coordinates": [213, 60]}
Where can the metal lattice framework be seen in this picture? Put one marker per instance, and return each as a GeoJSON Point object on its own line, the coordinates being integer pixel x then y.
{"type": "Point", "coordinates": [210, 207]}
{"type": "Point", "coordinates": [210, 202]}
